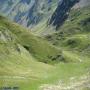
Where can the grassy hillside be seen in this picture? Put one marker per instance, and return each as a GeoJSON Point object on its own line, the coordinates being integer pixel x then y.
{"type": "Point", "coordinates": [73, 37]}
{"type": "Point", "coordinates": [74, 34]}
{"type": "Point", "coordinates": [17, 65]}
{"type": "Point", "coordinates": [20, 52]}
{"type": "Point", "coordinates": [39, 48]}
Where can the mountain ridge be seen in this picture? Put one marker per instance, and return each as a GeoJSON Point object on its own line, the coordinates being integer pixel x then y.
{"type": "Point", "coordinates": [31, 13]}
{"type": "Point", "coordinates": [44, 57]}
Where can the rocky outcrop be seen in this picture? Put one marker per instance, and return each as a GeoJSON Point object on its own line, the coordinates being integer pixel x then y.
{"type": "Point", "coordinates": [31, 12]}
{"type": "Point", "coordinates": [61, 12]}
{"type": "Point", "coordinates": [27, 12]}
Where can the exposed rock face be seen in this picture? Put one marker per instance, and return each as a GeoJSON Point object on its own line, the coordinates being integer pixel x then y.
{"type": "Point", "coordinates": [27, 12]}
{"type": "Point", "coordinates": [30, 12]}
{"type": "Point", "coordinates": [61, 12]}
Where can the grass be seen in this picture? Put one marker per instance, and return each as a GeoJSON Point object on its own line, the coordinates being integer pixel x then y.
{"type": "Point", "coordinates": [39, 48]}
{"type": "Point", "coordinates": [20, 52]}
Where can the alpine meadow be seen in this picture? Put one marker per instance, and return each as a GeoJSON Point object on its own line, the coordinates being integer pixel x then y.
{"type": "Point", "coordinates": [44, 44]}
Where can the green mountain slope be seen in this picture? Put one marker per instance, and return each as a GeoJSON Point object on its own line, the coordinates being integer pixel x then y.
{"type": "Point", "coordinates": [39, 48]}
{"type": "Point", "coordinates": [73, 37]}
{"type": "Point", "coordinates": [74, 34]}
{"type": "Point", "coordinates": [15, 60]}
{"type": "Point", "coordinates": [17, 65]}
{"type": "Point", "coordinates": [20, 52]}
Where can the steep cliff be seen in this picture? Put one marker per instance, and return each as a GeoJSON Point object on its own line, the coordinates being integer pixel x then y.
{"type": "Point", "coordinates": [61, 13]}
{"type": "Point", "coordinates": [28, 12]}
